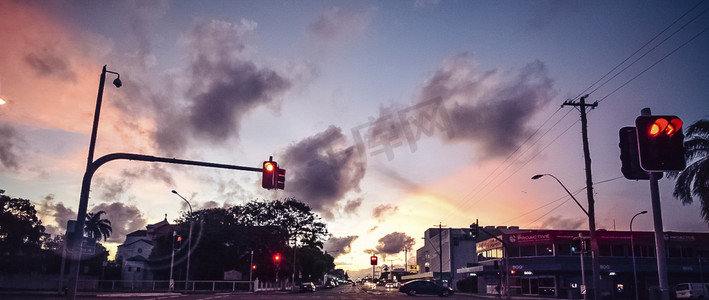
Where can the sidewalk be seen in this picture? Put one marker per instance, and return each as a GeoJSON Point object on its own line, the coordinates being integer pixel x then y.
{"type": "Point", "coordinates": [492, 296]}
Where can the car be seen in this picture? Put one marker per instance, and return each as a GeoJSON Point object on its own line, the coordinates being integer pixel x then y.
{"type": "Point", "coordinates": [424, 287]}
{"type": "Point", "coordinates": [307, 287]}
{"type": "Point", "coordinates": [391, 285]}
{"type": "Point", "coordinates": [692, 291]}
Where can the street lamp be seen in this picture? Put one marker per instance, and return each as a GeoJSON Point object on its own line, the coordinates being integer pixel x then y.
{"type": "Point", "coordinates": [83, 200]}
{"type": "Point", "coordinates": [189, 239]}
{"type": "Point", "coordinates": [632, 250]}
{"type": "Point", "coordinates": [592, 233]}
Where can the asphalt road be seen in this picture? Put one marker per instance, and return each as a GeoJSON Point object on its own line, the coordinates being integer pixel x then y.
{"type": "Point", "coordinates": [341, 292]}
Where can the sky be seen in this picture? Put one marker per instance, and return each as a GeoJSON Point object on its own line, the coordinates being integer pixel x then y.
{"type": "Point", "coordinates": [390, 117]}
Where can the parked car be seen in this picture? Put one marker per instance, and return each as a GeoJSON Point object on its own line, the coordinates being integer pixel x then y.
{"type": "Point", "coordinates": [307, 287]}
{"type": "Point", "coordinates": [415, 287]}
{"type": "Point", "coordinates": [391, 285]}
{"type": "Point", "coordinates": [692, 291]}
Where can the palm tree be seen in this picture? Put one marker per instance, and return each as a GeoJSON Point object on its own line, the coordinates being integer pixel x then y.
{"type": "Point", "coordinates": [97, 228]}
{"type": "Point", "coordinates": [694, 180]}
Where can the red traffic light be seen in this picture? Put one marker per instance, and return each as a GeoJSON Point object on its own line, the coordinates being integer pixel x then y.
{"type": "Point", "coordinates": [277, 258]}
{"type": "Point", "coordinates": [660, 143]}
{"type": "Point", "coordinates": [662, 125]}
{"type": "Point", "coordinates": [373, 260]}
{"type": "Point", "coordinates": [253, 267]}
{"type": "Point", "coordinates": [269, 174]}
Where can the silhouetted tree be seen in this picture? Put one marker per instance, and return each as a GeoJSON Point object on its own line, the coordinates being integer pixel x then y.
{"type": "Point", "coordinates": [96, 228]}
{"type": "Point", "coordinates": [693, 181]}
{"type": "Point", "coordinates": [21, 232]}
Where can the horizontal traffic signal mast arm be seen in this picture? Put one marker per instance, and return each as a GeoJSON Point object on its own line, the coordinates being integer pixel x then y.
{"type": "Point", "coordinates": [130, 156]}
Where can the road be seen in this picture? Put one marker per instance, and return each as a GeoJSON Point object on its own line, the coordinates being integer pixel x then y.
{"type": "Point", "coordinates": [342, 292]}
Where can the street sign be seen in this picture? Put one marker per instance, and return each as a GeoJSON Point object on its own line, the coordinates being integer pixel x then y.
{"type": "Point", "coordinates": [583, 289]}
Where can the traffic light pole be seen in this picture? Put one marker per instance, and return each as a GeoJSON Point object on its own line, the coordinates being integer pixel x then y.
{"type": "Point", "coordinates": [583, 272]}
{"type": "Point", "coordinates": [659, 234]}
{"type": "Point", "coordinates": [84, 200]}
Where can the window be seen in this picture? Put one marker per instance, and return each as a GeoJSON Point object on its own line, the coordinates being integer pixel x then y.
{"type": "Point", "coordinates": [563, 249]}
{"type": "Point", "coordinates": [604, 250]}
{"type": "Point", "coordinates": [618, 250]}
{"type": "Point", "coordinates": [137, 269]}
{"type": "Point", "coordinates": [140, 250]}
{"type": "Point", "coordinates": [514, 252]}
{"type": "Point", "coordinates": [527, 251]}
{"type": "Point", "coordinates": [130, 268]}
{"type": "Point", "coordinates": [545, 249]}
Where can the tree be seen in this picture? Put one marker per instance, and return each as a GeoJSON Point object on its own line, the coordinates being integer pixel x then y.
{"type": "Point", "coordinates": [21, 232]}
{"type": "Point", "coordinates": [693, 181]}
{"type": "Point", "coordinates": [96, 228]}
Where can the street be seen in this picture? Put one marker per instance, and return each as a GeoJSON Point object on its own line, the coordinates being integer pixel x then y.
{"type": "Point", "coordinates": [342, 292]}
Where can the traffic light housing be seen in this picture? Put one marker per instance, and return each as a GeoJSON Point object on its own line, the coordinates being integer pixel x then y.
{"type": "Point", "coordinates": [576, 245]}
{"type": "Point", "coordinates": [629, 156]}
{"type": "Point", "coordinates": [269, 171]}
{"type": "Point", "coordinates": [660, 143]}
{"type": "Point", "coordinates": [474, 230]}
{"type": "Point", "coordinates": [280, 178]}
{"type": "Point", "coordinates": [178, 241]}
{"type": "Point", "coordinates": [277, 259]}
{"type": "Point", "coordinates": [373, 260]}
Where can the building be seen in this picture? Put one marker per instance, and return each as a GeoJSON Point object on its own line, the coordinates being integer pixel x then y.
{"type": "Point", "coordinates": [453, 247]}
{"type": "Point", "coordinates": [542, 263]}
{"type": "Point", "coordinates": [134, 253]}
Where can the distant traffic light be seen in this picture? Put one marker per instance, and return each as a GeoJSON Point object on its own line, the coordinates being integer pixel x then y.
{"type": "Point", "coordinates": [474, 229]}
{"type": "Point", "coordinates": [373, 260]}
{"type": "Point", "coordinates": [660, 143]}
{"type": "Point", "coordinates": [269, 174]}
{"type": "Point", "coordinates": [576, 245]}
{"type": "Point", "coordinates": [253, 267]}
{"type": "Point", "coordinates": [276, 259]}
{"type": "Point", "coordinates": [178, 241]}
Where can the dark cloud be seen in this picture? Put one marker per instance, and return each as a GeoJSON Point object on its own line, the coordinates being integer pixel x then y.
{"type": "Point", "coordinates": [112, 189]}
{"type": "Point", "coordinates": [49, 62]}
{"type": "Point", "coordinates": [559, 222]}
{"type": "Point", "coordinates": [145, 15]}
{"type": "Point", "coordinates": [484, 106]}
{"type": "Point", "coordinates": [321, 170]}
{"type": "Point", "coordinates": [337, 246]}
{"type": "Point", "coordinates": [224, 86]}
{"type": "Point", "coordinates": [152, 171]}
{"type": "Point", "coordinates": [124, 219]}
{"type": "Point", "coordinates": [394, 243]}
{"type": "Point", "coordinates": [382, 211]}
{"type": "Point", "coordinates": [8, 147]}
{"type": "Point", "coordinates": [61, 214]}
{"type": "Point", "coordinates": [352, 205]}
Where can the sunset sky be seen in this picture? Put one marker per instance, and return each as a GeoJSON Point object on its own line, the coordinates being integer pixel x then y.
{"type": "Point", "coordinates": [389, 116]}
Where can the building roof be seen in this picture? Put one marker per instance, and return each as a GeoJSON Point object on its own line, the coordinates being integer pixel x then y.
{"type": "Point", "coordinates": [138, 233]}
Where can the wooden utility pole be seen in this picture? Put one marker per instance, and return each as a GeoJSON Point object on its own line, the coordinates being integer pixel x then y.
{"type": "Point", "coordinates": [596, 267]}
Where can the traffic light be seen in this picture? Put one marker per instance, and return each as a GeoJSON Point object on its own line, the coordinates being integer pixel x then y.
{"type": "Point", "coordinates": [269, 171]}
{"type": "Point", "coordinates": [277, 259]}
{"type": "Point", "coordinates": [660, 143]}
{"type": "Point", "coordinates": [280, 178]}
{"type": "Point", "coordinates": [178, 241]}
{"type": "Point", "coordinates": [373, 260]}
{"type": "Point", "coordinates": [253, 267]}
{"type": "Point", "coordinates": [576, 245]}
{"type": "Point", "coordinates": [474, 229]}
{"type": "Point", "coordinates": [629, 157]}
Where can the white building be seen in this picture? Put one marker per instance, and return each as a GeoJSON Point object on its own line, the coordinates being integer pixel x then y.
{"type": "Point", "coordinates": [134, 253]}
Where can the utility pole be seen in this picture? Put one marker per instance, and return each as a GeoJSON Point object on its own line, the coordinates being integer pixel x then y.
{"type": "Point", "coordinates": [440, 253]}
{"type": "Point", "coordinates": [596, 267]}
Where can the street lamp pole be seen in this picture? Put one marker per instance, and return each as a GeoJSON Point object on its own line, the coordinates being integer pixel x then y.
{"type": "Point", "coordinates": [189, 239]}
{"type": "Point", "coordinates": [632, 250]}
{"type": "Point", "coordinates": [83, 201]}
{"type": "Point", "coordinates": [592, 233]}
